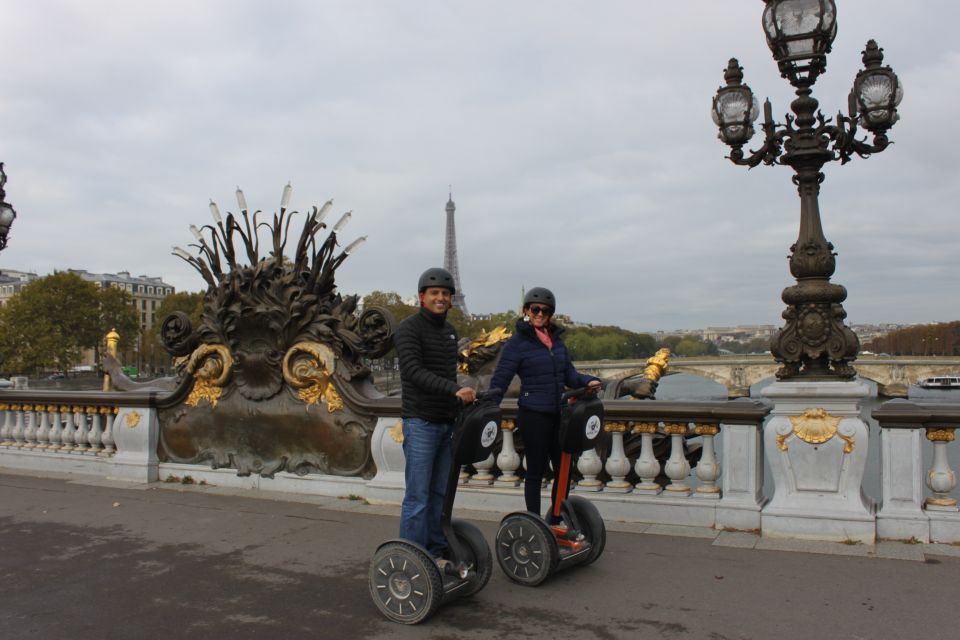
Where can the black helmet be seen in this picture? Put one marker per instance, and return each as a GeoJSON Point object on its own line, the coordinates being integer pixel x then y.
{"type": "Point", "coordinates": [541, 295]}
{"type": "Point", "coordinates": [436, 277]}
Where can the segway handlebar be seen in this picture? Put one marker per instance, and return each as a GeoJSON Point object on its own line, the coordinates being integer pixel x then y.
{"type": "Point", "coordinates": [574, 394]}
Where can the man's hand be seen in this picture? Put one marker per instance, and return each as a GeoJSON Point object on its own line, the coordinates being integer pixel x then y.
{"type": "Point", "coordinates": [594, 386]}
{"type": "Point", "coordinates": [467, 395]}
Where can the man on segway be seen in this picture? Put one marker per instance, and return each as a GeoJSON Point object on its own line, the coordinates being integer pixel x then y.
{"type": "Point", "coordinates": [427, 349]}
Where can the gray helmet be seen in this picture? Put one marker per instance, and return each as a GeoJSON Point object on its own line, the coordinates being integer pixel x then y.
{"type": "Point", "coordinates": [540, 295]}
{"type": "Point", "coordinates": [436, 277]}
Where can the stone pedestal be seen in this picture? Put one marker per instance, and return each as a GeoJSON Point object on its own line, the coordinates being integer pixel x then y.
{"type": "Point", "coordinates": [386, 447]}
{"type": "Point", "coordinates": [816, 445]}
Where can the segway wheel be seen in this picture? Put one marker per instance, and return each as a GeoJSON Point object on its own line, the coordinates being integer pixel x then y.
{"type": "Point", "coordinates": [526, 549]}
{"type": "Point", "coordinates": [405, 583]}
{"type": "Point", "coordinates": [591, 525]}
{"type": "Point", "coordinates": [478, 558]}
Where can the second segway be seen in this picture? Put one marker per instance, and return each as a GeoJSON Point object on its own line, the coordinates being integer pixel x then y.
{"type": "Point", "coordinates": [529, 550]}
{"type": "Point", "coordinates": [405, 583]}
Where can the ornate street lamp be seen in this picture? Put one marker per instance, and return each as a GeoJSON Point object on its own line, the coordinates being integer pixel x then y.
{"type": "Point", "coordinates": [814, 343]}
{"type": "Point", "coordinates": [7, 213]}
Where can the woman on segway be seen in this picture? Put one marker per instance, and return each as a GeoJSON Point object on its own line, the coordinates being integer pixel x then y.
{"type": "Point", "coordinates": [537, 354]}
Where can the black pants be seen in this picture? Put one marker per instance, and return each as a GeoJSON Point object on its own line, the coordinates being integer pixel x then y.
{"type": "Point", "coordinates": [541, 443]}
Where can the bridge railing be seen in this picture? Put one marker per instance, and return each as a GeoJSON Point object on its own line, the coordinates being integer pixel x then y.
{"type": "Point", "coordinates": [641, 474]}
{"type": "Point", "coordinates": [102, 433]}
{"type": "Point", "coordinates": [904, 511]}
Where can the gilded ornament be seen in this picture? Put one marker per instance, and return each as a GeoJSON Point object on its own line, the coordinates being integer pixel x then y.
{"type": "Point", "coordinates": [308, 367]}
{"type": "Point", "coordinates": [940, 435]}
{"type": "Point", "coordinates": [656, 365]}
{"type": "Point", "coordinates": [675, 428]}
{"type": "Point", "coordinates": [706, 429]}
{"type": "Point", "coordinates": [4, 407]}
{"type": "Point", "coordinates": [645, 427]}
{"type": "Point", "coordinates": [396, 432]}
{"type": "Point", "coordinates": [508, 424]}
{"type": "Point", "coordinates": [815, 426]}
{"type": "Point", "coordinates": [615, 427]}
{"type": "Point", "coordinates": [133, 419]}
{"type": "Point", "coordinates": [484, 340]}
{"type": "Point", "coordinates": [210, 366]}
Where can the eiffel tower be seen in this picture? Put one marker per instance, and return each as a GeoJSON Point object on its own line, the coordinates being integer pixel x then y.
{"type": "Point", "coordinates": [450, 257]}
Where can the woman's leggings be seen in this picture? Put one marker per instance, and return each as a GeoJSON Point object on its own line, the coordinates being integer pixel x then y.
{"type": "Point", "coordinates": [541, 443]}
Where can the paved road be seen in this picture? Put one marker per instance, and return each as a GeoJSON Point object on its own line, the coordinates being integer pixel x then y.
{"type": "Point", "coordinates": [104, 561]}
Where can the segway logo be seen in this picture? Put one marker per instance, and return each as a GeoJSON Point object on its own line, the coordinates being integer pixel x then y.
{"type": "Point", "coordinates": [593, 427]}
{"type": "Point", "coordinates": [489, 434]}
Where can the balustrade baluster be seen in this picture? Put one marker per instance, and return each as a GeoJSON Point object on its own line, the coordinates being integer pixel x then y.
{"type": "Point", "coordinates": [708, 469]}
{"type": "Point", "coordinates": [677, 468]}
{"type": "Point", "coordinates": [589, 465]}
{"type": "Point", "coordinates": [647, 466]}
{"type": "Point", "coordinates": [17, 433]}
{"type": "Point", "coordinates": [93, 436]}
{"type": "Point", "coordinates": [107, 414]}
{"type": "Point", "coordinates": [483, 476]}
{"type": "Point", "coordinates": [30, 432]}
{"type": "Point", "coordinates": [80, 435]}
{"type": "Point", "coordinates": [941, 479]}
{"type": "Point", "coordinates": [66, 435]}
{"type": "Point", "coordinates": [508, 460]}
{"type": "Point", "coordinates": [6, 426]}
{"type": "Point", "coordinates": [464, 474]}
{"type": "Point", "coordinates": [55, 427]}
{"type": "Point", "coordinates": [618, 466]}
{"type": "Point", "coordinates": [43, 431]}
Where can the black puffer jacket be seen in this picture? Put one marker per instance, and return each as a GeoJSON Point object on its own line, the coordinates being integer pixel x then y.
{"type": "Point", "coordinates": [427, 348]}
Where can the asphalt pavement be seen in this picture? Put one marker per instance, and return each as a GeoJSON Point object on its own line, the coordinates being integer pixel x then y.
{"type": "Point", "coordinates": [82, 558]}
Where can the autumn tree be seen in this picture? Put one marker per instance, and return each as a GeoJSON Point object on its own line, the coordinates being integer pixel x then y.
{"type": "Point", "coordinates": [49, 323]}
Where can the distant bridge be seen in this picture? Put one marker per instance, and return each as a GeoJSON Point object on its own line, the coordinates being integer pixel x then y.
{"type": "Point", "coordinates": [893, 374]}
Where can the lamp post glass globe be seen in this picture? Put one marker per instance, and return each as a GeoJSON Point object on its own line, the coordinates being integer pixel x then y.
{"type": "Point", "coordinates": [877, 91]}
{"type": "Point", "coordinates": [7, 216]}
{"type": "Point", "coordinates": [735, 108]}
{"type": "Point", "coordinates": [800, 34]}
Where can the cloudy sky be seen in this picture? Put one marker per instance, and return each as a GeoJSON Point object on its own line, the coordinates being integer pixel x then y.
{"type": "Point", "coordinates": [576, 137]}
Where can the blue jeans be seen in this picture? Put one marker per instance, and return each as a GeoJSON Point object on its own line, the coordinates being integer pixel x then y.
{"type": "Point", "coordinates": [428, 449]}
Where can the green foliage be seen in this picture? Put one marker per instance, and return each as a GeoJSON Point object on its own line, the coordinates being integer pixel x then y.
{"type": "Point", "coordinates": [391, 301]}
{"type": "Point", "coordinates": [50, 323]}
{"type": "Point", "coordinates": [691, 346]}
{"type": "Point", "coordinates": [613, 343]}
{"type": "Point", "coordinates": [117, 312]}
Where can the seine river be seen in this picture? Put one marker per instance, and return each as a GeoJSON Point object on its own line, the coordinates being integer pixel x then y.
{"type": "Point", "coordinates": [681, 386]}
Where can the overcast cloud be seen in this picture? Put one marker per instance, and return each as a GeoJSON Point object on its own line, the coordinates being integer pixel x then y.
{"type": "Point", "coordinates": [576, 137]}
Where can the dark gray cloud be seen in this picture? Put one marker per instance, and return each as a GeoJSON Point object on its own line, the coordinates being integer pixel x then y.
{"type": "Point", "coordinates": [577, 139]}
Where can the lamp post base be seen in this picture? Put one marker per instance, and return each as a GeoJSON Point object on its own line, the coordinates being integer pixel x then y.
{"type": "Point", "coordinates": [816, 444]}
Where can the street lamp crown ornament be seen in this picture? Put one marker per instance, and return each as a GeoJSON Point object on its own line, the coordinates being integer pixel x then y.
{"type": "Point", "coordinates": [7, 212]}
{"type": "Point", "coordinates": [814, 342]}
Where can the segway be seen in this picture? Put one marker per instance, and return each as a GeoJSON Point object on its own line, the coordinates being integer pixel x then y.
{"type": "Point", "coordinates": [529, 550]}
{"type": "Point", "coordinates": [405, 583]}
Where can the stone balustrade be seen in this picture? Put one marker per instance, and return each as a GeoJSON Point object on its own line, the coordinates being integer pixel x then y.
{"type": "Point", "coordinates": [110, 434]}
{"type": "Point", "coordinates": [906, 511]}
{"type": "Point", "coordinates": [640, 472]}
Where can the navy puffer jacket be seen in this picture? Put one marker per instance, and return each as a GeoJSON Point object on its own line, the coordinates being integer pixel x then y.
{"type": "Point", "coordinates": [544, 373]}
